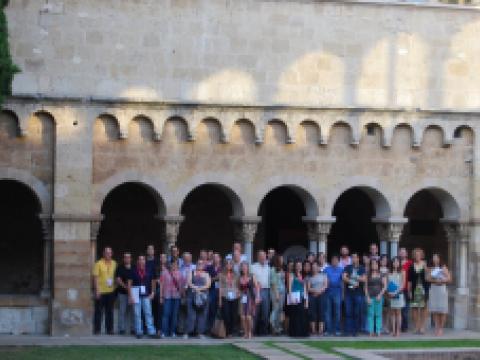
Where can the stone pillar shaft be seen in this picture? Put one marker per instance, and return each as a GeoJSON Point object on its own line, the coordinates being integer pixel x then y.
{"type": "Point", "coordinates": [389, 232]}
{"type": "Point", "coordinates": [47, 229]}
{"type": "Point", "coordinates": [172, 228]}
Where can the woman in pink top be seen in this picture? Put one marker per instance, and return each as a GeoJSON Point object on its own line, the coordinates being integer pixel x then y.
{"type": "Point", "coordinates": [172, 285]}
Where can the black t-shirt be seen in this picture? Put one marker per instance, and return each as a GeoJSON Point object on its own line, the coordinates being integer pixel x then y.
{"type": "Point", "coordinates": [353, 275]}
{"type": "Point", "coordinates": [125, 274]}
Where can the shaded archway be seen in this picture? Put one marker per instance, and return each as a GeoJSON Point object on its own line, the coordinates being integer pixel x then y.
{"type": "Point", "coordinates": [354, 211]}
{"type": "Point", "coordinates": [131, 220]}
{"type": "Point", "coordinates": [282, 227]}
{"type": "Point", "coordinates": [207, 225]}
{"type": "Point", "coordinates": [424, 229]}
{"type": "Point", "coordinates": [21, 243]}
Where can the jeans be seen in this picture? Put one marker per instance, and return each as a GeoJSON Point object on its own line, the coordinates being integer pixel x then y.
{"type": "Point", "coordinates": [263, 312]}
{"type": "Point", "coordinates": [212, 306]}
{"type": "Point", "coordinates": [229, 314]}
{"type": "Point", "coordinates": [170, 316]}
{"type": "Point", "coordinates": [374, 315]}
{"type": "Point", "coordinates": [405, 311]}
{"type": "Point", "coordinates": [333, 304]}
{"type": "Point", "coordinates": [353, 310]}
{"type": "Point", "coordinates": [196, 317]}
{"type": "Point", "coordinates": [125, 313]}
{"type": "Point", "coordinates": [144, 305]}
{"type": "Point", "coordinates": [104, 304]}
{"type": "Point", "coordinates": [277, 309]}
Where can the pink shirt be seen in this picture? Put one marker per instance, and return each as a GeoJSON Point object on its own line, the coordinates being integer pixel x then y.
{"type": "Point", "coordinates": [171, 283]}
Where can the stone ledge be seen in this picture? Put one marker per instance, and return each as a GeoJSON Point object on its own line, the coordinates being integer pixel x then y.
{"type": "Point", "coordinates": [22, 300]}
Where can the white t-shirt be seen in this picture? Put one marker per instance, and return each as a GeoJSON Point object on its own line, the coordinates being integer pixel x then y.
{"type": "Point", "coordinates": [262, 274]}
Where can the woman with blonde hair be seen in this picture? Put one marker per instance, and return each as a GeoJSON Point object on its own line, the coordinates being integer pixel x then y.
{"type": "Point", "coordinates": [418, 290]}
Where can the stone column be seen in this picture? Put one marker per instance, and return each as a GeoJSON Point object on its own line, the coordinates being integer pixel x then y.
{"type": "Point", "coordinates": [313, 233]}
{"type": "Point", "coordinates": [172, 228]}
{"type": "Point", "coordinates": [458, 237]}
{"type": "Point", "coordinates": [389, 233]}
{"type": "Point", "coordinates": [318, 229]}
{"type": "Point", "coordinates": [245, 230]}
{"type": "Point", "coordinates": [47, 229]}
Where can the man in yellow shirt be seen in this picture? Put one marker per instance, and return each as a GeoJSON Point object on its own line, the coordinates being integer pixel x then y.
{"type": "Point", "coordinates": [104, 288]}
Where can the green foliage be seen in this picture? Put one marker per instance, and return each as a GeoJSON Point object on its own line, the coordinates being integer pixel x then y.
{"type": "Point", "coordinates": [7, 67]}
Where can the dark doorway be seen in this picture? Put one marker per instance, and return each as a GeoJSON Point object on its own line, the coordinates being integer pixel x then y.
{"type": "Point", "coordinates": [424, 229]}
{"type": "Point", "coordinates": [207, 224]}
{"type": "Point", "coordinates": [354, 228]}
{"type": "Point", "coordinates": [21, 243]}
{"type": "Point", "coordinates": [282, 226]}
{"type": "Point", "coordinates": [131, 221]}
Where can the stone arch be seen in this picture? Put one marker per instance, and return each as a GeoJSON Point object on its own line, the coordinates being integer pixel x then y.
{"type": "Point", "coordinates": [310, 134]}
{"type": "Point", "coordinates": [427, 129]}
{"type": "Point", "coordinates": [303, 192]}
{"type": "Point", "coordinates": [210, 130]}
{"type": "Point", "coordinates": [208, 210]}
{"type": "Point", "coordinates": [22, 232]}
{"type": "Point", "coordinates": [383, 209]}
{"type": "Point", "coordinates": [110, 125]}
{"type": "Point", "coordinates": [243, 132]}
{"type": "Point", "coordinates": [463, 131]}
{"type": "Point", "coordinates": [276, 132]}
{"type": "Point", "coordinates": [159, 189]}
{"type": "Point", "coordinates": [399, 127]}
{"type": "Point", "coordinates": [40, 190]}
{"type": "Point", "coordinates": [178, 127]}
{"type": "Point", "coordinates": [132, 219]}
{"type": "Point", "coordinates": [349, 139]}
{"type": "Point", "coordinates": [141, 129]}
{"type": "Point", "coordinates": [451, 210]}
{"type": "Point", "coordinates": [13, 129]}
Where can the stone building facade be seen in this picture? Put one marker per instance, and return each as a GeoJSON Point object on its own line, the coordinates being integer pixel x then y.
{"type": "Point", "coordinates": [288, 124]}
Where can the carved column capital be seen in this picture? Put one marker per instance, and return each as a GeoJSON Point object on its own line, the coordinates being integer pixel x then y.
{"type": "Point", "coordinates": [172, 228]}
{"type": "Point", "coordinates": [390, 230]}
{"type": "Point", "coordinates": [246, 227]}
{"type": "Point", "coordinates": [47, 226]}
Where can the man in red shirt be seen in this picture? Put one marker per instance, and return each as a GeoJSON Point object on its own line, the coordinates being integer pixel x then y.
{"type": "Point", "coordinates": [405, 263]}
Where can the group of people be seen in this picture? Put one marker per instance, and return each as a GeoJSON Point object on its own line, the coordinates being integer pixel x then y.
{"type": "Point", "coordinates": [168, 295]}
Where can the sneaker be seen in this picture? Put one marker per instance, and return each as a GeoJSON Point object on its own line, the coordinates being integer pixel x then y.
{"type": "Point", "coordinates": [201, 336]}
{"type": "Point", "coordinates": [174, 335]}
{"type": "Point", "coordinates": [162, 336]}
{"type": "Point", "coordinates": [185, 336]}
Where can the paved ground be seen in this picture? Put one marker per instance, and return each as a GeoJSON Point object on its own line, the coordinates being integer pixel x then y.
{"type": "Point", "coordinates": [26, 340]}
{"type": "Point", "coordinates": [271, 348]}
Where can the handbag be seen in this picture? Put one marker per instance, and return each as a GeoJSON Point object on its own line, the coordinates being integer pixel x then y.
{"type": "Point", "coordinates": [392, 288]}
{"type": "Point", "coordinates": [218, 330]}
{"type": "Point", "coordinates": [200, 299]}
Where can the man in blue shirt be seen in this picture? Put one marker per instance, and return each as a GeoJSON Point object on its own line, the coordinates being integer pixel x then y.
{"type": "Point", "coordinates": [354, 278]}
{"type": "Point", "coordinates": [333, 297]}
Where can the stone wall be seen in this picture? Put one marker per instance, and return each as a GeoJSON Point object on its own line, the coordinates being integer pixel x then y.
{"type": "Point", "coordinates": [249, 52]}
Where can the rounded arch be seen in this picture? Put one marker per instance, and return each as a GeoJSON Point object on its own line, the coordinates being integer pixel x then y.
{"type": "Point", "coordinates": [235, 201]}
{"type": "Point", "coordinates": [131, 219]}
{"type": "Point", "coordinates": [381, 203]}
{"type": "Point", "coordinates": [154, 186]}
{"type": "Point", "coordinates": [233, 187]}
{"type": "Point", "coordinates": [448, 203]}
{"type": "Point", "coordinates": [39, 189]}
{"type": "Point", "coordinates": [459, 131]}
{"type": "Point", "coordinates": [22, 233]}
{"type": "Point", "coordinates": [301, 189]}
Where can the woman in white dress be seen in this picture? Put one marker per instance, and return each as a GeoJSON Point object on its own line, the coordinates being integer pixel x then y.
{"type": "Point", "coordinates": [395, 281]}
{"type": "Point", "coordinates": [438, 276]}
